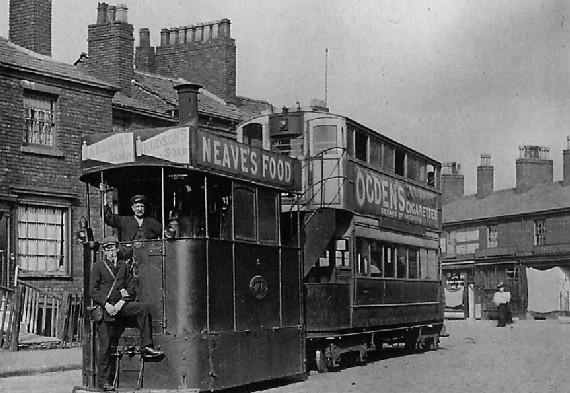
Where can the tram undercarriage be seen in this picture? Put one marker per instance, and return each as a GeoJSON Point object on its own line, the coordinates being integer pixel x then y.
{"type": "Point", "coordinates": [326, 352]}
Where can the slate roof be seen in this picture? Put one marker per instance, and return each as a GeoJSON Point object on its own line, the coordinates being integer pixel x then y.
{"type": "Point", "coordinates": [17, 57]}
{"type": "Point", "coordinates": [540, 198]}
{"type": "Point", "coordinates": [158, 92]}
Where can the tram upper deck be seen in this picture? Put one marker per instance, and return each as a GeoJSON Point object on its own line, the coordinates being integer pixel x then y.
{"type": "Point", "coordinates": [352, 167]}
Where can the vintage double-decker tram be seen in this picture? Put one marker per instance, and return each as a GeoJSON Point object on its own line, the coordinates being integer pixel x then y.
{"type": "Point", "coordinates": [371, 220]}
{"type": "Point", "coordinates": [225, 290]}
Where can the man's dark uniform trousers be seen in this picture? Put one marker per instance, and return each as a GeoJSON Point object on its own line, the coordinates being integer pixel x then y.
{"type": "Point", "coordinates": [129, 228]}
{"type": "Point", "coordinates": [111, 328]}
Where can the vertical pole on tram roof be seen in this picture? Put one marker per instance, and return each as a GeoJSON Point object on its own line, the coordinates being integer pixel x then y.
{"type": "Point", "coordinates": [88, 205]}
{"type": "Point", "coordinates": [163, 253]}
{"type": "Point", "coordinates": [103, 201]}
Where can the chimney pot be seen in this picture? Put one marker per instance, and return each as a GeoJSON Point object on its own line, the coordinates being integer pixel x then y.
{"type": "Point", "coordinates": [188, 103]}
{"type": "Point", "coordinates": [164, 34]}
{"type": "Point", "coordinates": [199, 33]}
{"type": "Point", "coordinates": [207, 33]}
{"type": "Point", "coordinates": [144, 37]}
{"type": "Point", "coordinates": [121, 15]}
{"type": "Point", "coordinates": [566, 163]}
{"type": "Point", "coordinates": [182, 34]}
{"type": "Point", "coordinates": [224, 28]}
{"type": "Point", "coordinates": [111, 12]}
{"type": "Point", "coordinates": [174, 36]}
{"type": "Point", "coordinates": [102, 13]}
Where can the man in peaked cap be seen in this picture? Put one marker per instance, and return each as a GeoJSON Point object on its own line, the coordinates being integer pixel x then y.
{"type": "Point", "coordinates": [111, 288]}
{"type": "Point", "coordinates": [135, 227]}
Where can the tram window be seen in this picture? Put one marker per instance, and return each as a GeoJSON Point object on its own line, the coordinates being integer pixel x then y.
{"type": "Point", "coordinates": [244, 201]}
{"type": "Point", "coordinates": [219, 208]}
{"type": "Point", "coordinates": [433, 265]}
{"type": "Point", "coordinates": [267, 216]}
{"type": "Point", "coordinates": [184, 202]}
{"type": "Point", "coordinates": [342, 253]}
{"type": "Point", "coordinates": [376, 153]}
{"type": "Point", "coordinates": [388, 256]}
{"type": "Point", "coordinates": [350, 142]}
{"type": "Point", "coordinates": [402, 265]}
{"type": "Point", "coordinates": [361, 146]}
{"type": "Point", "coordinates": [290, 146]}
{"type": "Point", "coordinates": [412, 168]}
{"type": "Point", "coordinates": [376, 259]}
{"type": "Point", "coordinates": [430, 175]}
{"type": "Point", "coordinates": [324, 137]}
{"type": "Point", "coordinates": [253, 134]}
{"type": "Point", "coordinates": [362, 256]}
{"type": "Point", "coordinates": [388, 158]}
{"type": "Point", "coordinates": [422, 172]}
{"type": "Point", "coordinates": [423, 265]}
{"type": "Point", "coordinates": [400, 163]}
{"type": "Point", "coordinates": [413, 263]}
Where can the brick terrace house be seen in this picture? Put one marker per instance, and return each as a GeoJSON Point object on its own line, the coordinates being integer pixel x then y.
{"type": "Point", "coordinates": [520, 236]}
{"type": "Point", "coordinates": [47, 106]}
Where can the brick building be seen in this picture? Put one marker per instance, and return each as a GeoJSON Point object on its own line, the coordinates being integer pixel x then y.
{"type": "Point", "coordinates": [520, 236]}
{"type": "Point", "coordinates": [46, 106]}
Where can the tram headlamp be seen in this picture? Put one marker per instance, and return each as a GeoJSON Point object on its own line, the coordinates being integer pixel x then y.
{"type": "Point", "coordinates": [85, 233]}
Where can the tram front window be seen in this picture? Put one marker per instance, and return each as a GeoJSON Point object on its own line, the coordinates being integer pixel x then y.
{"type": "Point", "coordinates": [219, 208]}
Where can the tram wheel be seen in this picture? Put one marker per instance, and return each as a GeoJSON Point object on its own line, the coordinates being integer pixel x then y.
{"type": "Point", "coordinates": [321, 361]}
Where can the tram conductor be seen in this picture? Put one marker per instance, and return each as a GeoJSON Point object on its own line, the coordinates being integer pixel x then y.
{"type": "Point", "coordinates": [112, 288]}
{"type": "Point", "coordinates": [139, 226]}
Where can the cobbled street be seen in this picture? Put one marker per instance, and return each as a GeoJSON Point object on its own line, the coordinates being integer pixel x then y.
{"type": "Point", "coordinates": [529, 356]}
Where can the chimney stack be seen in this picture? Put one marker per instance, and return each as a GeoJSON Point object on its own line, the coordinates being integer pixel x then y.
{"type": "Point", "coordinates": [30, 25]}
{"type": "Point", "coordinates": [144, 53]}
{"type": "Point", "coordinates": [485, 177]}
{"type": "Point", "coordinates": [452, 182]}
{"type": "Point", "coordinates": [533, 167]}
{"type": "Point", "coordinates": [205, 53]}
{"type": "Point", "coordinates": [566, 163]}
{"type": "Point", "coordinates": [111, 47]}
{"type": "Point", "coordinates": [188, 104]}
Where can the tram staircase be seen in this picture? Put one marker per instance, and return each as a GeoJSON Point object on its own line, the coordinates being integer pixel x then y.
{"type": "Point", "coordinates": [321, 223]}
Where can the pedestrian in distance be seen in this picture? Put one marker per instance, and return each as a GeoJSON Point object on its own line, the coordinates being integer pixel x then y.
{"type": "Point", "coordinates": [112, 288]}
{"type": "Point", "coordinates": [501, 300]}
{"type": "Point", "coordinates": [138, 226]}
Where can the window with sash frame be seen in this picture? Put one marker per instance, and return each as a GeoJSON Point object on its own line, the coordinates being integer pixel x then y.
{"type": "Point", "coordinates": [39, 114]}
{"type": "Point", "coordinates": [43, 240]}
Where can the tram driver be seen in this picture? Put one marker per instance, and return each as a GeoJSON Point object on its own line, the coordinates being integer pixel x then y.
{"type": "Point", "coordinates": [112, 288]}
{"type": "Point", "coordinates": [139, 226]}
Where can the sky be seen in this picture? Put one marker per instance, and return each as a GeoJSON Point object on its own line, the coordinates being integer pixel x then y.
{"type": "Point", "coordinates": [453, 79]}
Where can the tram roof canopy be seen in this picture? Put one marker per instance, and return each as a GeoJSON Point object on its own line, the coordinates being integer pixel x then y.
{"type": "Point", "coordinates": [190, 148]}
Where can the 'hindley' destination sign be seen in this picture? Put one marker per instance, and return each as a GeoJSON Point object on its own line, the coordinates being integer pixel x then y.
{"type": "Point", "coordinates": [254, 163]}
{"type": "Point", "coordinates": [377, 193]}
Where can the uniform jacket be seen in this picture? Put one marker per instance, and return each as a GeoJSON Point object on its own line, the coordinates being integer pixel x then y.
{"type": "Point", "coordinates": [129, 227]}
{"type": "Point", "coordinates": [101, 282]}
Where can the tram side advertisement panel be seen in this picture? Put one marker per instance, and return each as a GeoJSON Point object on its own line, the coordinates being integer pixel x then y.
{"type": "Point", "coordinates": [379, 194]}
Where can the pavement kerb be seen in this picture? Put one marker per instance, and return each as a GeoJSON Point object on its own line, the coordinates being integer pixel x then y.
{"type": "Point", "coordinates": [38, 370]}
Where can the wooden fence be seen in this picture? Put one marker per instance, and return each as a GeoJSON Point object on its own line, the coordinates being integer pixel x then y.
{"type": "Point", "coordinates": [35, 316]}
